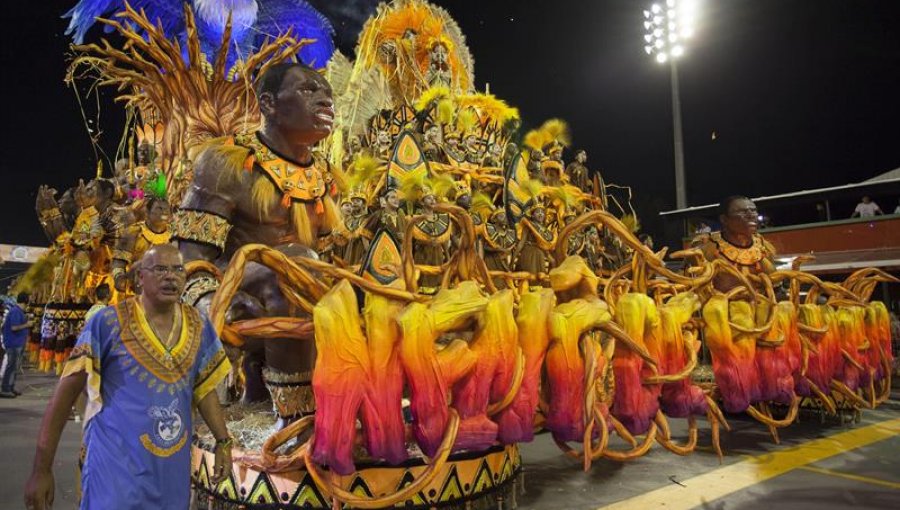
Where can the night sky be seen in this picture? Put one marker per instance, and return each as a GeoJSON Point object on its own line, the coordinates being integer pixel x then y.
{"type": "Point", "coordinates": [800, 94]}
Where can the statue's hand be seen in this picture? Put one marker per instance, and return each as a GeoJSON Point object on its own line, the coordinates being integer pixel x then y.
{"type": "Point", "coordinates": [46, 198]}
{"type": "Point", "coordinates": [244, 306]}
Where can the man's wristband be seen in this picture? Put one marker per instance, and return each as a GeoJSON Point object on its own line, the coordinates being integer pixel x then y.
{"type": "Point", "coordinates": [224, 443]}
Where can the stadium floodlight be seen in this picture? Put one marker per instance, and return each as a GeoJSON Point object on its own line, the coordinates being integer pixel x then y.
{"type": "Point", "coordinates": [667, 31]}
{"type": "Point", "coordinates": [667, 27]}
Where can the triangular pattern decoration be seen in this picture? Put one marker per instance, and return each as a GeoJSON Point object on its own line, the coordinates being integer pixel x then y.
{"type": "Point", "coordinates": [452, 489]}
{"type": "Point", "coordinates": [263, 491]}
{"type": "Point", "coordinates": [308, 495]}
{"type": "Point", "coordinates": [506, 472]}
{"type": "Point", "coordinates": [360, 488]}
{"type": "Point", "coordinates": [203, 474]}
{"type": "Point", "coordinates": [484, 480]}
{"type": "Point", "coordinates": [418, 498]}
{"type": "Point", "coordinates": [227, 488]}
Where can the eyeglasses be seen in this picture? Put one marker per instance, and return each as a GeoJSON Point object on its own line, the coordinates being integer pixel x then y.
{"type": "Point", "coordinates": [161, 271]}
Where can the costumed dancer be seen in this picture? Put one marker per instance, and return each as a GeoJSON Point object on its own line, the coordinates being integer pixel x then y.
{"type": "Point", "coordinates": [536, 241]}
{"type": "Point", "coordinates": [431, 237]}
{"type": "Point", "coordinates": [578, 173]}
{"type": "Point", "coordinates": [357, 244]}
{"type": "Point", "coordinates": [388, 217]}
{"type": "Point", "coordinates": [138, 238]}
{"type": "Point", "coordinates": [497, 239]}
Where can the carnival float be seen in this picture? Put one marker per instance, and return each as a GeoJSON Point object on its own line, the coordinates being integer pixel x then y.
{"type": "Point", "coordinates": [449, 287]}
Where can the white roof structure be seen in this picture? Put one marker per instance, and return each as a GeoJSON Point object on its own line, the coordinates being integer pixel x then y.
{"type": "Point", "coordinates": [890, 177]}
{"type": "Point", "coordinates": [21, 254]}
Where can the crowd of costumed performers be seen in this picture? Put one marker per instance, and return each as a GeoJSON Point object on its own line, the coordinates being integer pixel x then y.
{"type": "Point", "coordinates": [408, 282]}
{"type": "Point", "coordinates": [95, 229]}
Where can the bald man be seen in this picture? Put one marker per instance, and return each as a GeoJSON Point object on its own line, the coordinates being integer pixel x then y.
{"type": "Point", "coordinates": [144, 362]}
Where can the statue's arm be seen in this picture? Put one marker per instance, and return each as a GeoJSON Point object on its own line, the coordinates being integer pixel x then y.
{"type": "Point", "coordinates": [204, 218]}
{"type": "Point", "coordinates": [203, 222]}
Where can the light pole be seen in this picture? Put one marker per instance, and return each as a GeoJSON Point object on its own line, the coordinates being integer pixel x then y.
{"type": "Point", "coordinates": [668, 25]}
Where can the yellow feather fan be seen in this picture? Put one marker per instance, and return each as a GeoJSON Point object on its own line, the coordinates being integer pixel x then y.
{"type": "Point", "coordinates": [431, 95]}
{"type": "Point", "coordinates": [557, 130]}
{"type": "Point", "coordinates": [445, 109]}
{"type": "Point", "coordinates": [441, 186]}
{"type": "Point", "coordinates": [533, 188]}
{"type": "Point", "coordinates": [482, 204]}
{"type": "Point", "coordinates": [535, 139]}
{"type": "Point", "coordinates": [466, 120]}
{"type": "Point", "coordinates": [411, 185]}
{"type": "Point", "coordinates": [567, 196]}
{"type": "Point", "coordinates": [490, 107]}
{"type": "Point", "coordinates": [363, 171]}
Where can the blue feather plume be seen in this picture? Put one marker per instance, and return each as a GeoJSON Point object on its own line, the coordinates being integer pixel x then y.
{"type": "Point", "coordinates": [253, 22]}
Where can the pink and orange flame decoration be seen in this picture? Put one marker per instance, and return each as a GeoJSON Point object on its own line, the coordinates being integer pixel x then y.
{"type": "Point", "coordinates": [482, 367]}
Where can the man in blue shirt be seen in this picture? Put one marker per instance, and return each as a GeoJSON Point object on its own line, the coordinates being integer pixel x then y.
{"type": "Point", "coordinates": [15, 335]}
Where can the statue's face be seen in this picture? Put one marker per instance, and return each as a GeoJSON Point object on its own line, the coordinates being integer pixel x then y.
{"type": "Point", "coordinates": [537, 155]}
{"type": "Point", "coordinates": [121, 171]}
{"type": "Point", "coordinates": [742, 218]}
{"type": "Point", "coordinates": [581, 157]}
{"type": "Point", "coordinates": [439, 54]}
{"type": "Point", "coordinates": [495, 150]}
{"type": "Point", "coordinates": [67, 203]}
{"type": "Point", "coordinates": [90, 196]}
{"type": "Point", "coordinates": [453, 142]}
{"type": "Point", "coordinates": [428, 201]}
{"type": "Point", "coordinates": [472, 142]}
{"type": "Point", "coordinates": [539, 215]}
{"type": "Point", "coordinates": [500, 219]}
{"type": "Point", "coordinates": [384, 138]}
{"type": "Point", "coordinates": [159, 213]}
{"type": "Point", "coordinates": [358, 205]}
{"type": "Point", "coordinates": [145, 154]}
{"type": "Point", "coordinates": [346, 209]}
{"type": "Point", "coordinates": [464, 200]}
{"type": "Point", "coordinates": [303, 108]}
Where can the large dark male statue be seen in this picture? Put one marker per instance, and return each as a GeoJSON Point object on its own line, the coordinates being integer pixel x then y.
{"type": "Point", "coordinates": [267, 187]}
{"type": "Point", "coordinates": [738, 243]}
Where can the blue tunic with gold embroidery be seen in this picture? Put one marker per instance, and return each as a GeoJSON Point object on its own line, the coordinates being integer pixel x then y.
{"type": "Point", "coordinates": [138, 418]}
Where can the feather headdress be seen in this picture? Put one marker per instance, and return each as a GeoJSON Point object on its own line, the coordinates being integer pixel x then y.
{"type": "Point", "coordinates": [413, 28]}
{"type": "Point", "coordinates": [534, 190]}
{"type": "Point", "coordinates": [554, 132]}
